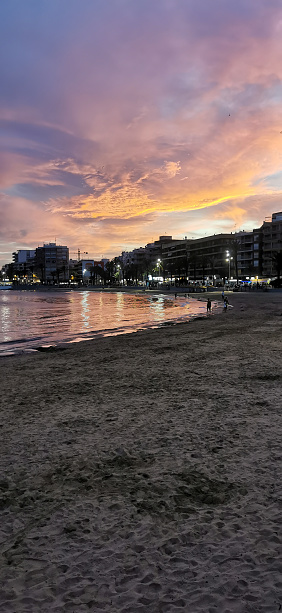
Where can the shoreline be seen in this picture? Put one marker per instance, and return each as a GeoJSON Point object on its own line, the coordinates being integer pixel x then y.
{"type": "Point", "coordinates": [252, 300]}
{"type": "Point", "coordinates": [27, 345]}
{"type": "Point", "coordinates": [142, 472]}
{"type": "Point", "coordinates": [139, 288]}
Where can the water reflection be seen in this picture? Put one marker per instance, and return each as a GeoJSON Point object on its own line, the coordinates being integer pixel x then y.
{"type": "Point", "coordinates": [5, 316]}
{"type": "Point", "coordinates": [32, 318]}
{"type": "Point", "coordinates": [119, 306]}
{"type": "Point", "coordinates": [157, 308]}
{"type": "Point", "coordinates": [85, 309]}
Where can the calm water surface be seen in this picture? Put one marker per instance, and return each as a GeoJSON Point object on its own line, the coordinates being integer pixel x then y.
{"type": "Point", "coordinates": [32, 319]}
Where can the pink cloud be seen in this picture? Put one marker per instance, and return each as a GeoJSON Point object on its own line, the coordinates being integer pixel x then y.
{"type": "Point", "coordinates": [137, 117]}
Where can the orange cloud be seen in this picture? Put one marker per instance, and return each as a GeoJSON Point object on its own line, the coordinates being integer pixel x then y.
{"type": "Point", "coordinates": [159, 119]}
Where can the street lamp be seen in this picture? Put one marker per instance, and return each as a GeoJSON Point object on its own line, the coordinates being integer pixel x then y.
{"type": "Point", "coordinates": [119, 272]}
{"type": "Point", "coordinates": [228, 259]}
{"type": "Point", "coordinates": [159, 266]}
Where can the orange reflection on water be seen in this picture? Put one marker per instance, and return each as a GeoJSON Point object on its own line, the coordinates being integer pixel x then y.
{"type": "Point", "coordinates": [35, 318]}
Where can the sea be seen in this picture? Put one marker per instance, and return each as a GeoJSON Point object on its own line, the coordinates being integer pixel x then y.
{"type": "Point", "coordinates": [30, 320]}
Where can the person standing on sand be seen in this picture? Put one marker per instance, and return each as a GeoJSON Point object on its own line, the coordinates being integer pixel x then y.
{"type": "Point", "coordinates": [209, 305]}
{"type": "Point", "coordinates": [225, 304]}
{"type": "Point", "coordinates": [222, 294]}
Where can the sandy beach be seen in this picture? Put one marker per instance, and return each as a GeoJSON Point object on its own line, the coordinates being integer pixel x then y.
{"type": "Point", "coordinates": [142, 472]}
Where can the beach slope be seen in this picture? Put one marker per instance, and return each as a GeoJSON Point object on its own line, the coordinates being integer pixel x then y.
{"type": "Point", "coordinates": [142, 472]}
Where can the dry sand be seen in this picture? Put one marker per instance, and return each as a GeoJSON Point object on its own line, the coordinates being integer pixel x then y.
{"type": "Point", "coordinates": [143, 472]}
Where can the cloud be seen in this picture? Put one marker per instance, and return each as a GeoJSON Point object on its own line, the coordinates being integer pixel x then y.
{"type": "Point", "coordinates": [159, 113]}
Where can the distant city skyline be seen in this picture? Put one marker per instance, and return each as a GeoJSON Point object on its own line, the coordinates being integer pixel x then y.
{"type": "Point", "coordinates": [125, 120]}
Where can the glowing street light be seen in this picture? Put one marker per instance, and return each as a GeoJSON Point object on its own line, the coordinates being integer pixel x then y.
{"type": "Point", "coordinates": [228, 259]}
{"type": "Point", "coordinates": [159, 266]}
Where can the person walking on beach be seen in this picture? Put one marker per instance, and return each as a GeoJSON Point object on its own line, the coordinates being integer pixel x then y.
{"type": "Point", "coordinates": [222, 294]}
{"type": "Point", "coordinates": [209, 306]}
{"type": "Point", "coordinates": [225, 304]}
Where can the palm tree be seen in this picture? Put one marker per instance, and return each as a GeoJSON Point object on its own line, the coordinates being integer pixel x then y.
{"type": "Point", "coordinates": [234, 248]}
{"type": "Point", "coordinates": [10, 271]}
{"type": "Point", "coordinates": [58, 272]}
{"type": "Point", "coordinates": [204, 262]}
{"type": "Point", "coordinates": [98, 272]}
{"type": "Point", "coordinates": [42, 272]}
{"type": "Point", "coordinates": [193, 262]}
{"type": "Point", "coordinates": [181, 267]}
{"type": "Point", "coordinates": [277, 261]}
{"type": "Point", "coordinates": [110, 270]}
{"type": "Point", "coordinates": [64, 268]}
{"type": "Point", "coordinates": [145, 266]}
{"type": "Point", "coordinates": [31, 271]}
{"type": "Point", "coordinates": [171, 267]}
{"type": "Point", "coordinates": [212, 262]}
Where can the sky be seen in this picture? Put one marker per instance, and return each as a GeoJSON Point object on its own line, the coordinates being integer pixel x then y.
{"type": "Point", "coordinates": [124, 120]}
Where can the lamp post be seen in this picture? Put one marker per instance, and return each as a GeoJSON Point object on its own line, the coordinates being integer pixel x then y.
{"type": "Point", "coordinates": [159, 266]}
{"type": "Point", "coordinates": [228, 259]}
{"type": "Point", "coordinates": [119, 272]}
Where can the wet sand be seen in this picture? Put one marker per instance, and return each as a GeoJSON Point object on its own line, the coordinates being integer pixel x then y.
{"type": "Point", "coordinates": [143, 472]}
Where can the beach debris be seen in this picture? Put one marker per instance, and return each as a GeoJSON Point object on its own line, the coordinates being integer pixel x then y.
{"type": "Point", "coordinates": [50, 348]}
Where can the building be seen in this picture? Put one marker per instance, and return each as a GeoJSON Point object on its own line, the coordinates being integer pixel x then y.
{"type": "Point", "coordinates": [138, 263]}
{"type": "Point", "coordinates": [23, 256]}
{"type": "Point", "coordinates": [23, 264]}
{"type": "Point", "coordinates": [248, 253]}
{"type": "Point", "coordinates": [210, 259]}
{"type": "Point", "coordinates": [202, 259]}
{"type": "Point", "coordinates": [51, 263]}
{"type": "Point", "coordinates": [87, 271]}
{"type": "Point", "coordinates": [271, 245]}
{"type": "Point", "coordinates": [214, 259]}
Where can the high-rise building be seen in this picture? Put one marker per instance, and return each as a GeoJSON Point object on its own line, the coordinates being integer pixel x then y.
{"type": "Point", "coordinates": [271, 244]}
{"type": "Point", "coordinates": [52, 263]}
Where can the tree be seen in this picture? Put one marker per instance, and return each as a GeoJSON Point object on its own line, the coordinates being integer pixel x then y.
{"type": "Point", "coordinates": [212, 262]}
{"type": "Point", "coordinates": [204, 263]}
{"type": "Point", "coordinates": [10, 271]}
{"type": "Point", "coordinates": [171, 267]}
{"type": "Point", "coordinates": [110, 270]}
{"type": "Point", "coordinates": [193, 263]}
{"type": "Point", "coordinates": [121, 267]}
{"type": "Point", "coordinates": [58, 272]}
{"type": "Point", "coordinates": [234, 248]}
{"type": "Point", "coordinates": [182, 267]}
{"type": "Point", "coordinates": [277, 261]}
{"type": "Point", "coordinates": [42, 272]}
{"type": "Point", "coordinates": [95, 272]}
{"type": "Point", "coordinates": [31, 271]}
{"type": "Point", "coordinates": [185, 264]}
{"type": "Point", "coordinates": [145, 266]}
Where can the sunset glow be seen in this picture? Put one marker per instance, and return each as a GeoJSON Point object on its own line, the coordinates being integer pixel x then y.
{"type": "Point", "coordinates": [124, 120]}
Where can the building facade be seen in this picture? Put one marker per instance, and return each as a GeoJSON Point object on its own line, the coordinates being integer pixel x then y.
{"type": "Point", "coordinates": [23, 264]}
{"type": "Point", "coordinates": [210, 259]}
{"type": "Point", "coordinates": [87, 271]}
{"type": "Point", "coordinates": [271, 245]}
{"type": "Point", "coordinates": [201, 259]}
{"type": "Point", "coordinates": [51, 263]}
